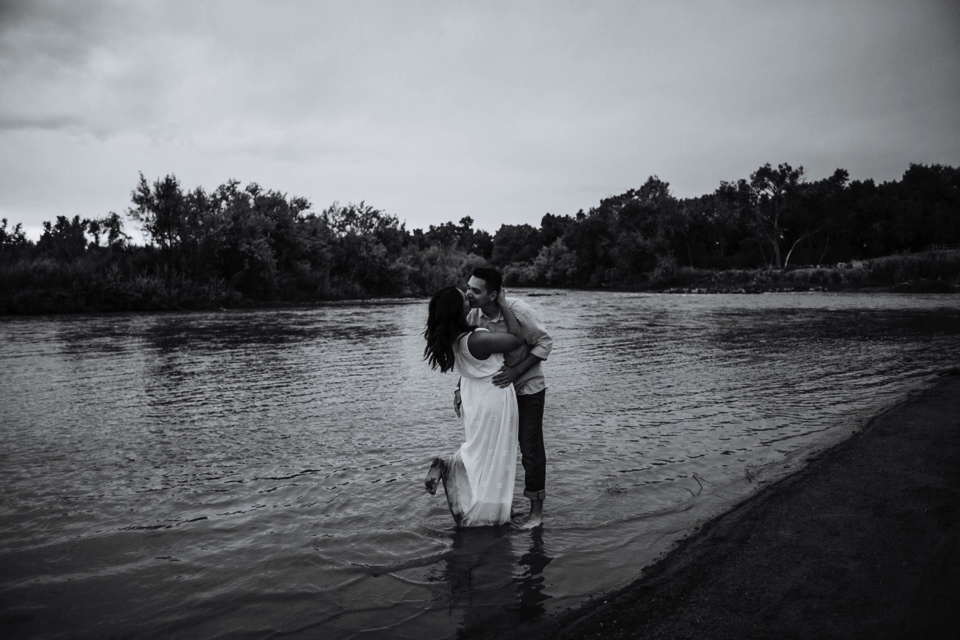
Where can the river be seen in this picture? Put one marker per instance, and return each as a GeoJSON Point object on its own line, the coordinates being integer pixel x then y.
{"type": "Point", "coordinates": [254, 474]}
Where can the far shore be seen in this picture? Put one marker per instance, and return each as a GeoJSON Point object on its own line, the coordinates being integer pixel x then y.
{"type": "Point", "coordinates": [87, 292]}
{"type": "Point", "coordinates": [77, 301]}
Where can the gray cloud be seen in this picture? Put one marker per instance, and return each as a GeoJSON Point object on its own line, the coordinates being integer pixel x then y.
{"type": "Point", "coordinates": [431, 111]}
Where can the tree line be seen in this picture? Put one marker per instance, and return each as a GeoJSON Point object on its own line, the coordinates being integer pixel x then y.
{"type": "Point", "coordinates": [241, 245]}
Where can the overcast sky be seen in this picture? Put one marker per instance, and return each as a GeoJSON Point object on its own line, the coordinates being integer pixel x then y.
{"type": "Point", "coordinates": [432, 111]}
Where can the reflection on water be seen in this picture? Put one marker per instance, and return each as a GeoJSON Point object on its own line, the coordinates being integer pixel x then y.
{"type": "Point", "coordinates": [530, 582]}
{"type": "Point", "coordinates": [258, 473]}
{"type": "Point", "coordinates": [495, 576]}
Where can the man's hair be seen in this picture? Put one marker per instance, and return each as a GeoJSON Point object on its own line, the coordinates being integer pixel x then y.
{"type": "Point", "coordinates": [491, 276]}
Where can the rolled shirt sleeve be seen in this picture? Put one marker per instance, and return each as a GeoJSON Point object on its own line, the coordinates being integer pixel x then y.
{"type": "Point", "coordinates": [534, 332]}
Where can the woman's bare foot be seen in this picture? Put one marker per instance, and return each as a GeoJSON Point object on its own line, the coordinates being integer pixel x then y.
{"type": "Point", "coordinates": [434, 476]}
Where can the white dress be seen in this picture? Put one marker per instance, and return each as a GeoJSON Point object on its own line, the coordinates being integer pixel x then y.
{"type": "Point", "coordinates": [479, 477]}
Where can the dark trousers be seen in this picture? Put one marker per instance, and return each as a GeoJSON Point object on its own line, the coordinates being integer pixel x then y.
{"type": "Point", "coordinates": [533, 457]}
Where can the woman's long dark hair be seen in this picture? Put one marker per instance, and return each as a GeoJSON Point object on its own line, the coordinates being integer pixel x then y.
{"type": "Point", "coordinates": [445, 322]}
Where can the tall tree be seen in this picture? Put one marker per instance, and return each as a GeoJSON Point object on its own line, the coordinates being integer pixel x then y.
{"type": "Point", "coordinates": [765, 199]}
{"type": "Point", "coordinates": [368, 242]}
{"type": "Point", "coordinates": [65, 239]}
{"type": "Point", "coordinates": [161, 211]}
{"type": "Point", "coordinates": [11, 237]}
{"type": "Point", "coordinates": [110, 229]}
{"type": "Point", "coordinates": [816, 212]}
{"type": "Point", "coordinates": [553, 227]}
{"type": "Point", "coordinates": [515, 243]}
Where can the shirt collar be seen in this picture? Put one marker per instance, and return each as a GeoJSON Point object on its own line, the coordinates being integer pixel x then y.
{"type": "Point", "coordinates": [494, 319]}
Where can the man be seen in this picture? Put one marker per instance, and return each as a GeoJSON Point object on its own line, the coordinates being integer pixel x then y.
{"type": "Point", "coordinates": [521, 369]}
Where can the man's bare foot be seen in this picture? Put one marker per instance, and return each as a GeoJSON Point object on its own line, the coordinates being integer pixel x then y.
{"type": "Point", "coordinates": [434, 476]}
{"type": "Point", "coordinates": [535, 519]}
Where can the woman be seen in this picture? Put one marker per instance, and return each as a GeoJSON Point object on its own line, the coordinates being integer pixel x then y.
{"type": "Point", "coordinates": [478, 479]}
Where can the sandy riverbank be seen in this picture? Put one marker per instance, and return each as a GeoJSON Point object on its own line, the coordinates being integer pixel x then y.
{"type": "Point", "coordinates": [864, 542]}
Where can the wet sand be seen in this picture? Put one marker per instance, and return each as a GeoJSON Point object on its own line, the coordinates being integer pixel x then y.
{"type": "Point", "coordinates": [861, 543]}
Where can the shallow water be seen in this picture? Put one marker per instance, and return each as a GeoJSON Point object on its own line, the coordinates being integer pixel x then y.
{"type": "Point", "coordinates": [259, 473]}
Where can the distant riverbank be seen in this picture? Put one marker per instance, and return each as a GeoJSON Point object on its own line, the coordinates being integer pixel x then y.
{"type": "Point", "coordinates": [928, 272]}
{"type": "Point", "coordinates": [35, 291]}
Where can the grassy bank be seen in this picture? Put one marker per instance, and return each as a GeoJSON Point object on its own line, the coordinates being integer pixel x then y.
{"type": "Point", "coordinates": [88, 285]}
{"type": "Point", "coordinates": [929, 272]}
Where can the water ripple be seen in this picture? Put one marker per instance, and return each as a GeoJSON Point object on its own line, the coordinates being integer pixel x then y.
{"type": "Point", "coordinates": [259, 473]}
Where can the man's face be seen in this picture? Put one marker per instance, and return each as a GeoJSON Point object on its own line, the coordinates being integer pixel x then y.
{"type": "Point", "coordinates": [477, 292]}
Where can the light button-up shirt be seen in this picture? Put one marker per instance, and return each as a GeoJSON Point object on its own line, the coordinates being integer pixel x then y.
{"type": "Point", "coordinates": [538, 343]}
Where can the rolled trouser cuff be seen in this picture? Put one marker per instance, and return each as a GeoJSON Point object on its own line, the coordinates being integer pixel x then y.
{"type": "Point", "coordinates": [535, 495]}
